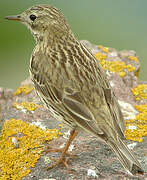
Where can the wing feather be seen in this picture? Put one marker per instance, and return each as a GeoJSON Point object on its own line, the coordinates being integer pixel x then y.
{"type": "Point", "coordinates": [70, 102]}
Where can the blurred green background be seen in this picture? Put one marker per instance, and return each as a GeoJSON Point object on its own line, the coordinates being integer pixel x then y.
{"type": "Point", "coordinates": [121, 24]}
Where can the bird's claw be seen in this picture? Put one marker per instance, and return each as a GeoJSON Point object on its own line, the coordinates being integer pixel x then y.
{"type": "Point", "coordinates": [62, 160]}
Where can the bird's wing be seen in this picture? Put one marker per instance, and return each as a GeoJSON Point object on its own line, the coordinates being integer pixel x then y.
{"type": "Point", "coordinates": [66, 101]}
{"type": "Point", "coordinates": [84, 118]}
{"type": "Point", "coordinates": [116, 121]}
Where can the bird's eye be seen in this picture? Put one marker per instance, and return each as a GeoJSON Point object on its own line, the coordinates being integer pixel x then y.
{"type": "Point", "coordinates": [32, 17]}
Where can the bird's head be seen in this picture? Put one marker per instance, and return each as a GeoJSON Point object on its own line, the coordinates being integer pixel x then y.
{"type": "Point", "coordinates": [43, 20]}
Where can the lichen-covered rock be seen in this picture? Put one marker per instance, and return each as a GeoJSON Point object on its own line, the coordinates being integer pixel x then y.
{"type": "Point", "coordinates": [21, 112]}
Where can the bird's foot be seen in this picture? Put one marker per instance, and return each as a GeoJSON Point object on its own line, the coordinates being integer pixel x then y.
{"type": "Point", "coordinates": [64, 151]}
{"type": "Point", "coordinates": [59, 150]}
{"type": "Point", "coordinates": [60, 161]}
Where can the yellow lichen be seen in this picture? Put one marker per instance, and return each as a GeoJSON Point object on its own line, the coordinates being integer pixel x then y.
{"type": "Point", "coordinates": [104, 49]}
{"type": "Point", "coordinates": [114, 66]}
{"type": "Point", "coordinates": [130, 68]}
{"type": "Point", "coordinates": [100, 56]}
{"type": "Point", "coordinates": [30, 106]}
{"type": "Point", "coordinates": [142, 108]}
{"type": "Point", "coordinates": [140, 92]}
{"type": "Point", "coordinates": [122, 74]}
{"type": "Point", "coordinates": [134, 135]}
{"type": "Point", "coordinates": [26, 89]}
{"type": "Point", "coordinates": [137, 72]}
{"type": "Point", "coordinates": [140, 122]}
{"type": "Point", "coordinates": [100, 46]}
{"type": "Point", "coordinates": [133, 58]}
{"type": "Point", "coordinates": [16, 161]}
{"type": "Point", "coordinates": [60, 126]}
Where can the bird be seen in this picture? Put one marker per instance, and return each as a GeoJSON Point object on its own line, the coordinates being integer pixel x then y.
{"type": "Point", "coordinates": [73, 85]}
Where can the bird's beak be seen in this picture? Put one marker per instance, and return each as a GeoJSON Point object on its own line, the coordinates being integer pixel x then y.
{"type": "Point", "coordinates": [15, 18]}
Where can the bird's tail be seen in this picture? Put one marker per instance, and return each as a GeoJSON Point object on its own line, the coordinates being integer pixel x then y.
{"type": "Point", "coordinates": [125, 156]}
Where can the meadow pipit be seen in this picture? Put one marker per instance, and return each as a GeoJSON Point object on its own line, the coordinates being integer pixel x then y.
{"type": "Point", "coordinates": [72, 84]}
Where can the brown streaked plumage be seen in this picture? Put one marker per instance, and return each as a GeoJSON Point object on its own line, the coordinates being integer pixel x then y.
{"type": "Point", "coordinates": [72, 84]}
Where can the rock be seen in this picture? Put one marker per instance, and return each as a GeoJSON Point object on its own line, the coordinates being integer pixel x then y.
{"type": "Point", "coordinates": [91, 152]}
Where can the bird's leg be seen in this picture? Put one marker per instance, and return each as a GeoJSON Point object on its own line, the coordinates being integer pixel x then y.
{"type": "Point", "coordinates": [62, 159]}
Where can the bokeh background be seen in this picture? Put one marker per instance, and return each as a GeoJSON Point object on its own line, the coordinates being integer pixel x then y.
{"type": "Point", "coordinates": [121, 24]}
